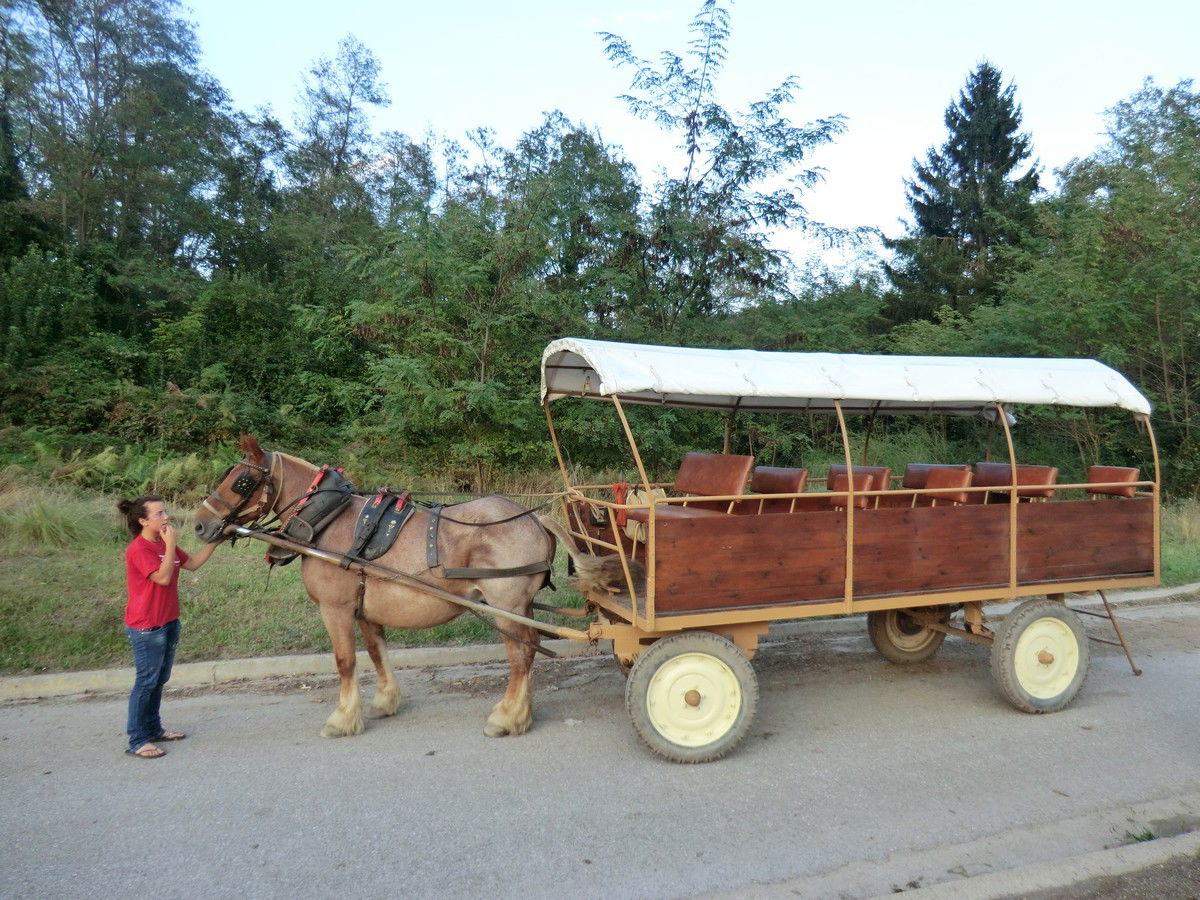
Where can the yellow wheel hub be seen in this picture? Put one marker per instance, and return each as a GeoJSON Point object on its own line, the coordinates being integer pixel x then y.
{"type": "Point", "coordinates": [693, 699]}
{"type": "Point", "coordinates": [1046, 658]}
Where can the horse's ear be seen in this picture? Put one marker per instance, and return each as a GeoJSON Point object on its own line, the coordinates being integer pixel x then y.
{"type": "Point", "coordinates": [248, 444]}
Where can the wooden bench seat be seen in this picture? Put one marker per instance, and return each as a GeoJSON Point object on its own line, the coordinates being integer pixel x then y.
{"type": "Point", "coordinates": [839, 483]}
{"type": "Point", "coordinates": [880, 480]}
{"type": "Point", "coordinates": [703, 475]}
{"type": "Point", "coordinates": [944, 475]}
{"type": "Point", "coordinates": [772, 480]}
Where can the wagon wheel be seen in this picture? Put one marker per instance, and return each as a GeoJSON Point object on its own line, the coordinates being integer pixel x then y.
{"type": "Point", "coordinates": [692, 696]}
{"type": "Point", "coordinates": [1040, 656]}
{"type": "Point", "coordinates": [900, 639]}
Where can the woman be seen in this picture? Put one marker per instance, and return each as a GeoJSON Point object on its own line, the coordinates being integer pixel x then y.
{"type": "Point", "coordinates": [152, 563]}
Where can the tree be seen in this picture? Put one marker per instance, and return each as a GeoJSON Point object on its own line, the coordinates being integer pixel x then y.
{"type": "Point", "coordinates": [705, 246]}
{"type": "Point", "coordinates": [968, 202]}
{"type": "Point", "coordinates": [18, 226]}
{"type": "Point", "coordinates": [335, 137]}
{"type": "Point", "coordinates": [1117, 276]}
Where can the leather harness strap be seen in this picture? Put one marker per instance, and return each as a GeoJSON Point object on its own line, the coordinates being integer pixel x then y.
{"type": "Point", "coordinates": [431, 537]}
{"type": "Point", "coordinates": [432, 559]}
{"type": "Point", "coordinates": [529, 569]}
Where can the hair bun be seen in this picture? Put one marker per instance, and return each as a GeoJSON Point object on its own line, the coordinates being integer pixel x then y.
{"type": "Point", "coordinates": [124, 506]}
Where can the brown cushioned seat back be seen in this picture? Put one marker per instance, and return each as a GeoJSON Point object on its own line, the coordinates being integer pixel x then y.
{"type": "Point", "coordinates": [840, 482]}
{"type": "Point", "coordinates": [881, 476]}
{"type": "Point", "coordinates": [916, 474]}
{"type": "Point", "coordinates": [713, 474]}
{"type": "Point", "coordinates": [1034, 481]}
{"type": "Point", "coordinates": [1102, 474]}
{"type": "Point", "coordinates": [775, 480]}
{"type": "Point", "coordinates": [947, 477]}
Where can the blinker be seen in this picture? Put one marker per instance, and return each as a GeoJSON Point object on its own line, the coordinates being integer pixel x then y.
{"type": "Point", "coordinates": [244, 484]}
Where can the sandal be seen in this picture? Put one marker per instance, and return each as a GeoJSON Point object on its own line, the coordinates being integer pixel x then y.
{"type": "Point", "coordinates": [171, 736]}
{"type": "Point", "coordinates": [147, 751]}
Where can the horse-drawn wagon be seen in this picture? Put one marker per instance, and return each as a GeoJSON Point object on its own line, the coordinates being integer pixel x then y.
{"type": "Point", "coordinates": [697, 569]}
{"type": "Point", "coordinates": [911, 549]}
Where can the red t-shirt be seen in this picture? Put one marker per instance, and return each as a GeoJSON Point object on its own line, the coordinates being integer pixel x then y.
{"type": "Point", "coordinates": [150, 604]}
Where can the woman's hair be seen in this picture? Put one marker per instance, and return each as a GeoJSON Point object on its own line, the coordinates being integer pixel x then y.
{"type": "Point", "coordinates": [133, 510]}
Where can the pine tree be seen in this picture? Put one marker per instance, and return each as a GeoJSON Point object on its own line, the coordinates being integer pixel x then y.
{"type": "Point", "coordinates": [967, 202]}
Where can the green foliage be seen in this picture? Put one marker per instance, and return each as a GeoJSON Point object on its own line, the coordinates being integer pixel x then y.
{"type": "Point", "coordinates": [1181, 542]}
{"type": "Point", "coordinates": [1117, 276]}
{"type": "Point", "coordinates": [172, 274]}
{"type": "Point", "coordinates": [705, 248]}
{"type": "Point", "coordinates": [44, 301]}
{"type": "Point", "coordinates": [967, 203]}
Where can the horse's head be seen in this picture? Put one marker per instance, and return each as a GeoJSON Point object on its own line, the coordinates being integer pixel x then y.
{"type": "Point", "coordinates": [247, 490]}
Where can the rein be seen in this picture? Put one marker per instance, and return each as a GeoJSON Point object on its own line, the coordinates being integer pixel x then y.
{"type": "Point", "coordinates": [512, 518]}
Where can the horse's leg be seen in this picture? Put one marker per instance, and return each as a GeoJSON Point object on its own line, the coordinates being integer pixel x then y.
{"type": "Point", "coordinates": [347, 719]}
{"type": "Point", "coordinates": [387, 690]}
{"type": "Point", "coordinates": [514, 713]}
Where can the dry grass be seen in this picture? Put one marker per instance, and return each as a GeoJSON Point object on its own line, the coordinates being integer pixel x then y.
{"type": "Point", "coordinates": [1181, 542]}
{"type": "Point", "coordinates": [62, 589]}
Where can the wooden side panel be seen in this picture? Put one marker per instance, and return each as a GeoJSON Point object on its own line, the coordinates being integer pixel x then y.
{"type": "Point", "coordinates": [930, 548]}
{"type": "Point", "coordinates": [1084, 539]}
{"type": "Point", "coordinates": [731, 561]}
{"type": "Point", "coordinates": [724, 562]}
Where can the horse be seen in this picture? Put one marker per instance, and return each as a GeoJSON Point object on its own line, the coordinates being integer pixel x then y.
{"type": "Point", "coordinates": [488, 533]}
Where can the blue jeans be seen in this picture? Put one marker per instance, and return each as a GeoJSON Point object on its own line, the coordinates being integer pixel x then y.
{"type": "Point", "coordinates": [153, 655]}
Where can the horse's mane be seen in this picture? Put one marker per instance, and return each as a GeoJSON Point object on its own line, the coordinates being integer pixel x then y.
{"type": "Point", "coordinates": [303, 462]}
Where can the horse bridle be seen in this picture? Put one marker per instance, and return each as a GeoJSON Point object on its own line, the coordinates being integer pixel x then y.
{"type": "Point", "coordinates": [246, 485]}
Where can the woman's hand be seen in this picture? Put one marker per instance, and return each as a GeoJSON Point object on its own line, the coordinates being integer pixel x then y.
{"type": "Point", "coordinates": [165, 571]}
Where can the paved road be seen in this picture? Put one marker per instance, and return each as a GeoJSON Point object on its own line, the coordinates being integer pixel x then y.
{"type": "Point", "coordinates": [859, 777]}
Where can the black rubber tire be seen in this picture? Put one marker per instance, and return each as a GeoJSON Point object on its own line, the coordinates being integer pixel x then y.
{"type": "Point", "coordinates": [699, 661]}
{"type": "Point", "coordinates": [1066, 644]}
{"type": "Point", "coordinates": [901, 640]}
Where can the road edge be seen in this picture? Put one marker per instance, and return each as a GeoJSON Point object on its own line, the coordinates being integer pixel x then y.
{"type": "Point", "coordinates": [1059, 874]}
{"type": "Point", "coordinates": [198, 674]}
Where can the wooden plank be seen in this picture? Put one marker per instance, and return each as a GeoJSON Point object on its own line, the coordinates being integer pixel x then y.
{"type": "Point", "coordinates": [789, 577]}
{"type": "Point", "coordinates": [760, 535]}
{"type": "Point", "coordinates": [730, 561]}
{"type": "Point", "coordinates": [763, 560]}
{"type": "Point", "coordinates": [745, 597]}
{"type": "Point", "coordinates": [875, 527]}
{"type": "Point", "coordinates": [930, 548]}
{"type": "Point", "coordinates": [1084, 539]}
{"type": "Point", "coordinates": [937, 575]}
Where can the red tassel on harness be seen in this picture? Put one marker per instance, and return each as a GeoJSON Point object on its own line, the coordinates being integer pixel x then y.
{"type": "Point", "coordinates": [312, 488]}
{"type": "Point", "coordinates": [620, 492]}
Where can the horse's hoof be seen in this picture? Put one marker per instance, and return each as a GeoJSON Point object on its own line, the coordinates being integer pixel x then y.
{"type": "Point", "coordinates": [332, 730]}
{"type": "Point", "coordinates": [500, 729]}
{"type": "Point", "coordinates": [385, 704]}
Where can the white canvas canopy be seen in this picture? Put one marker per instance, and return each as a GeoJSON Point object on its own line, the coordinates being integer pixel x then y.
{"type": "Point", "coordinates": [759, 380]}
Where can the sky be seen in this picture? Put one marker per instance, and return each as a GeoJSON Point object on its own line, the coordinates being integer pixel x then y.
{"type": "Point", "coordinates": [891, 68]}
